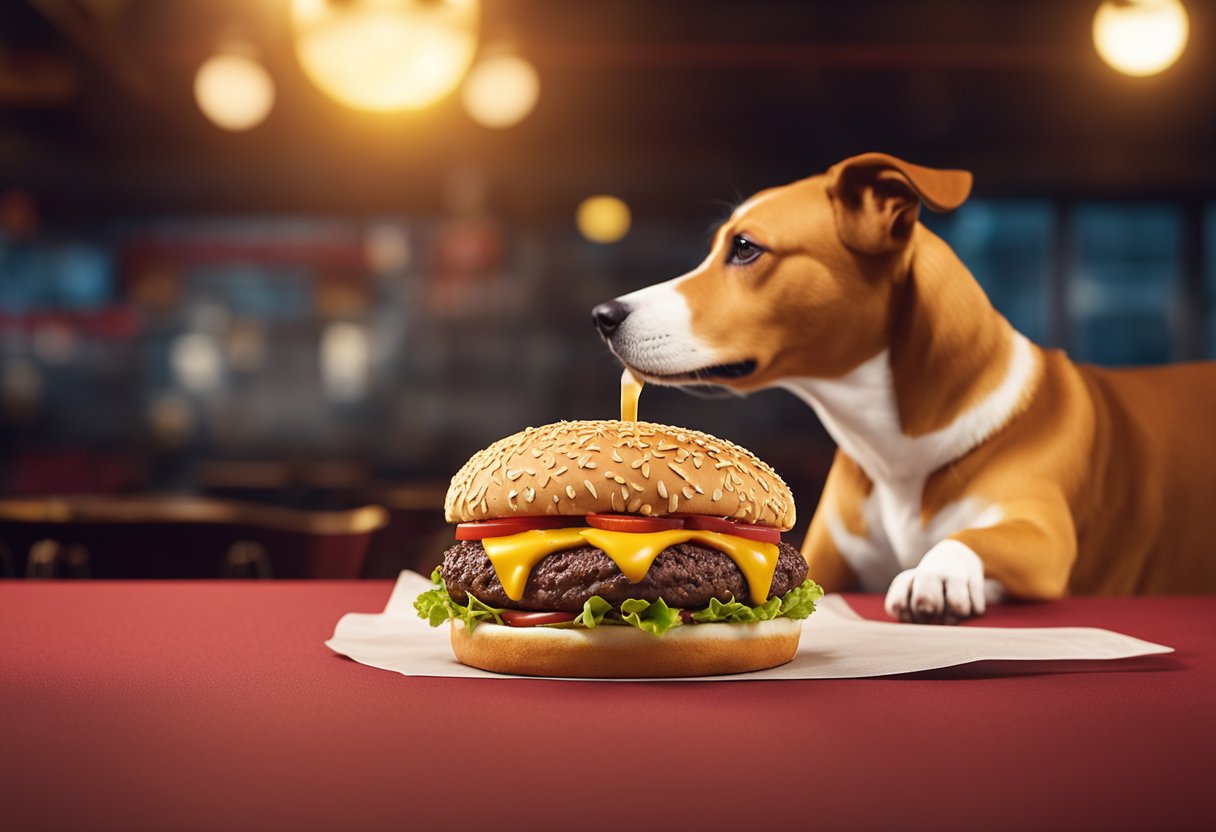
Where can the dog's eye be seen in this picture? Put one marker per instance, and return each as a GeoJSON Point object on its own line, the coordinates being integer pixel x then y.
{"type": "Point", "coordinates": [743, 251]}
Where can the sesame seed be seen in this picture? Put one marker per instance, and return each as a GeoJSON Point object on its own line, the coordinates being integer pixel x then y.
{"type": "Point", "coordinates": [561, 471]}
{"type": "Point", "coordinates": [635, 505]}
{"type": "Point", "coordinates": [673, 502]}
{"type": "Point", "coordinates": [616, 457]}
{"type": "Point", "coordinates": [591, 465]}
{"type": "Point", "coordinates": [530, 494]}
{"type": "Point", "coordinates": [609, 475]}
{"type": "Point", "coordinates": [678, 471]}
{"type": "Point", "coordinates": [512, 494]}
{"type": "Point", "coordinates": [696, 462]}
{"type": "Point", "coordinates": [646, 509]}
{"type": "Point", "coordinates": [663, 489]}
{"type": "Point", "coordinates": [687, 492]}
{"type": "Point", "coordinates": [646, 470]}
{"type": "Point", "coordinates": [636, 487]}
{"type": "Point", "coordinates": [570, 491]}
{"type": "Point", "coordinates": [717, 495]}
{"type": "Point", "coordinates": [591, 488]}
{"type": "Point", "coordinates": [514, 473]}
{"type": "Point", "coordinates": [555, 498]}
{"type": "Point", "coordinates": [637, 463]}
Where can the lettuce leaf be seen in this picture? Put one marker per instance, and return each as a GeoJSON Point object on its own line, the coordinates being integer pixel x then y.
{"type": "Point", "coordinates": [594, 610]}
{"type": "Point", "coordinates": [655, 617]}
{"type": "Point", "coordinates": [798, 603]}
{"type": "Point", "coordinates": [436, 606]}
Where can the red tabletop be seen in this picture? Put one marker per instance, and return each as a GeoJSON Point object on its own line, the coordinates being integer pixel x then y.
{"type": "Point", "coordinates": [159, 706]}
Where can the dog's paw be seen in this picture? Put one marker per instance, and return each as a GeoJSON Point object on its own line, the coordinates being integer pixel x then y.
{"type": "Point", "coordinates": [946, 587]}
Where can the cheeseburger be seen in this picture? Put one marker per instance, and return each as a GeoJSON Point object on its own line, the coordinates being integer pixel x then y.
{"type": "Point", "coordinates": [619, 549]}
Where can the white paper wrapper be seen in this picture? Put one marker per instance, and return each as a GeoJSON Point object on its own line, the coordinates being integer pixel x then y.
{"type": "Point", "coordinates": [836, 643]}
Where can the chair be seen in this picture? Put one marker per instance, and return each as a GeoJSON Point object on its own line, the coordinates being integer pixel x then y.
{"type": "Point", "coordinates": [182, 537]}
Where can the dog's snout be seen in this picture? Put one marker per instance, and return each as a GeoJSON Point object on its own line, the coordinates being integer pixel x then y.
{"type": "Point", "coordinates": [608, 316]}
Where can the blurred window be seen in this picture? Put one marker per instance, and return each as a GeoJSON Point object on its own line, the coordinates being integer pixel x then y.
{"type": "Point", "coordinates": [1007, 245]}
{"type": "Point", "coordinates": [1126, 283]}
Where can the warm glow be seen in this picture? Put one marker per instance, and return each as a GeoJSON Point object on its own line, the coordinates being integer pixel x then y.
{"type": "Point", "coordinates": [1141, 37]}
{"type": "Point", "coordinates": [234, 91]}
{"type": "Point", "coordinates": [196, 362]}
{"type": "Point", "coordinates": [603, 219]}
{"type": "Point", "coordinates": [345, 356]}
{"type": "Point", "coordinates": [500, 91]}
{"type": "Point", "coordinates": [385, 55]}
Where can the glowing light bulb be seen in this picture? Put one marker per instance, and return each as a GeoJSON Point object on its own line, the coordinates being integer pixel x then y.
{"type": "Point", "coordinates": [501, 91]}
{"type": "Point", "coordinates": [234, 91]}
{"type": "Point", "coordinates": [603, 219]}
{"type": "Point", "coordinates": [1141, 37]}
{"type": "Point", "coordinates": [385, 55]}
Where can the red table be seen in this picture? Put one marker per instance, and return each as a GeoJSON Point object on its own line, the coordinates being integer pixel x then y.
{"type": "Point", "coordinates": [180, 706]}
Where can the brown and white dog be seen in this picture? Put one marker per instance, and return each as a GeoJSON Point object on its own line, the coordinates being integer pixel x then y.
{"type": "Point", "coordinates": [972, 464]}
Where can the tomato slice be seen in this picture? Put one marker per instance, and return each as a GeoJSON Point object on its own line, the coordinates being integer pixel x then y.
{"type": "Point", "coordinates": [709, 523]}
{"type": "Point", "coordinates": [503, 526]}
{"type": "Point", "coordinates": [519, 618]}
{"type": "Point", "coordinates": [633, 523]}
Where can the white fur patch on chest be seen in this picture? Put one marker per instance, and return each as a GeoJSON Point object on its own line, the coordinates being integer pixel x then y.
{"type": "Point", "coordinates": [896, 539]}
{"type": "Point", "coordinates": [859, 410]}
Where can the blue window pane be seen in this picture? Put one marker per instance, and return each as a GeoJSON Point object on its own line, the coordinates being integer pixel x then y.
{"type": "Point", "coordinates": [1007, 245]}
{"type": "Point", "coordinates": [1125, 283]}
{"type": "Point", "coordinates": [84, 277]}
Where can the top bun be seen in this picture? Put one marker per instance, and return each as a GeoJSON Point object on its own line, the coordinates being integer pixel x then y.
{"type": "Point", "coordinates": [577, 468]}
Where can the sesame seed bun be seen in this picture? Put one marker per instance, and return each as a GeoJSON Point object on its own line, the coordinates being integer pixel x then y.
{"type": "Point", "coordinates": [589, 467]}
{"type": "Point", "coordinates": [627, 652]}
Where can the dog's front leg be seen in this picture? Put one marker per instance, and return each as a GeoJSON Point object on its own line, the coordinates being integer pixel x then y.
{"type": "Point", "coordinates": [1028, 555]}
{"type": "Point", "coordinates": [946, 587]}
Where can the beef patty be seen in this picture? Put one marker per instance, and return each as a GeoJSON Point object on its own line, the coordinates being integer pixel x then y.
{"type": "Point", "coordinates": [684, 576]}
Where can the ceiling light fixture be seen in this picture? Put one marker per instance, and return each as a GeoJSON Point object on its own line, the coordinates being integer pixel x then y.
{"type": "Point", "coordinates": [385, 55]}
{"type": "Point", "coordinates": [1141, 37]}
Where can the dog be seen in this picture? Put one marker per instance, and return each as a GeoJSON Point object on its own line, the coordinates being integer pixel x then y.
{"type": "Point", "coordinates": [972, 465]}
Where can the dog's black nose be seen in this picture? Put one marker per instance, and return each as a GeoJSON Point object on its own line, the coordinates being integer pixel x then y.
{"type": "Point", "coordinates": [608, 316]}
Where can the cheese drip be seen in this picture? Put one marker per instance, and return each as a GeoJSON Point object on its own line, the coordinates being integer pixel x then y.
{"type": "Point", "coordinates": [514, 556]}
{"type": "Point", "coordinates": [631, 391]}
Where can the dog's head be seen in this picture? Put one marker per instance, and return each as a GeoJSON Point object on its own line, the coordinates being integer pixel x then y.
{"type": "Point", "coordinates": [800, 281]}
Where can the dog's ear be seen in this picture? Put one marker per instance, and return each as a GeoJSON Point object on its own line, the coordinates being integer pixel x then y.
{"type": "Point", "coordinates": [876, 199]}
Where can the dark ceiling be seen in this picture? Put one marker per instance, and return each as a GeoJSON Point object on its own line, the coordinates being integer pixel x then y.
{"type": "Point", "coordinates": [667, 103]}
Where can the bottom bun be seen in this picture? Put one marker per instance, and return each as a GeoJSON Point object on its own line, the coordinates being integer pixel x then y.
{"type": "Point", "coordinates": [627, 652]}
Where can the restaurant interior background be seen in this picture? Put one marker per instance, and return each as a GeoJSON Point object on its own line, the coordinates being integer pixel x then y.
{"type": "Point", "coordinates": [266, 263]}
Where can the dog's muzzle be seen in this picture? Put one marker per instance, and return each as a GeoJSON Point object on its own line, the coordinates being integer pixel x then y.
{"type": "Point", "coordinates": [609, 316]}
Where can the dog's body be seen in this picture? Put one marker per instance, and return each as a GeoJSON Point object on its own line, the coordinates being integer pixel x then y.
{"type": "Point", "coordinates": [966, 453]}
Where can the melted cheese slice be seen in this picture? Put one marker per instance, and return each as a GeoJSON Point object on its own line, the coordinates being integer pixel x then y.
{"type": "Point", "coordinates": [514, 556]}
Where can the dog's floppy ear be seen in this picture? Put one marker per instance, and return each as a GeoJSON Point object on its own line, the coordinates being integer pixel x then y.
{"type": "Point", "coordinates": [876, 199]}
